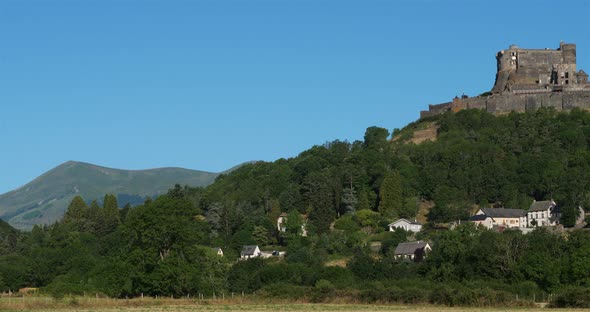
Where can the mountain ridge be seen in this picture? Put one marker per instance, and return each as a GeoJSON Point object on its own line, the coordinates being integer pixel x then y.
{"type": "Point", "coordinates": [44, 199]}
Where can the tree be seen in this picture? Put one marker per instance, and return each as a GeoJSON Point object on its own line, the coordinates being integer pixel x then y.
{"type": "Point", "coordinates": [390, 195]}
{"type": "Point", "coordinates": [78, 214]}
{"type": "Point", "coordinates": [110, 214]}
{"type": "Point", "coordinates": [320, 199]}
{"type": "Point", "coordinates": [165, 227]}
{"type": "Point", "coordinates": [410, 207]}
{"type": "Point", "coordinates": [376, 138]}
{"type": "Point", "coordinates": [349, 200]}
{"type": "Point", "coordinates": [363, 201]}
{"type": "Point", "coordinates": [261, 235]}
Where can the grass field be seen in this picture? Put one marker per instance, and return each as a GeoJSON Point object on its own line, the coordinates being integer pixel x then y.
{"type": "Point", "coordinates": [38, 304]}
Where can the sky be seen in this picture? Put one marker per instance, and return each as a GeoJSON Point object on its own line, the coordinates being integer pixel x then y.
{"type": "Point", "coordinates": [209, 84]}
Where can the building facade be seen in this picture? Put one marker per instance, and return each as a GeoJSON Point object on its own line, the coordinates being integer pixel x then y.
{"type": "Point", "coordinates": [528, 79]}
{"type": "Point", "coordinates": [543, 213]}
{"type": "Point", "coordinates": [410, 226]}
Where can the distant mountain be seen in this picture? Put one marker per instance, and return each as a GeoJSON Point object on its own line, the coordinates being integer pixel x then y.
{"type": "Point", "coordinates": [44, 200]}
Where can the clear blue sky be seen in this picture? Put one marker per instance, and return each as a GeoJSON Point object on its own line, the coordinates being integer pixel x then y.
{"type": "Point", "coordinates": [210, 84]}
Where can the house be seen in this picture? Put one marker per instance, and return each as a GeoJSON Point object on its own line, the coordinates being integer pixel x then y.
{"type": "Point", "coordinates": [406, 225]}
{"type": "Point", "coordinates": [250, 251]}
{"type": "Point", "coordinates": [282, 224]}
{"type": "Point", "coordinates": [217, 251]}
{"type": "Point", "coordinates": [414, 251]}
{"type": "Point", "coordinates": [543, 213]}
{"type": "Point", "coordinates": [500, 217]}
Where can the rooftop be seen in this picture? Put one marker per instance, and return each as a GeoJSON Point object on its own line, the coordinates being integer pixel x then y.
{"type": "Point", "coordinates": [409, 248]}
{"type": "Point", "coordinates": [503, 212]}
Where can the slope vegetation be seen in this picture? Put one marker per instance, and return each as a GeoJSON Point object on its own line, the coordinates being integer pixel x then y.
{"type": "Point", "coordinates": [44, 200]}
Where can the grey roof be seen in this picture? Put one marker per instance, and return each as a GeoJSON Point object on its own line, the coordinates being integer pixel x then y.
{"type": "Point", "coordinates": [249, 250]}
{"type": "Point", "coordinates": [409, 248]}
{"type": "Point", "coordinates": [541, 205]}
{"type": "Point", "coordinates": [504, 212]}
{"type": "Point", "coordinates": [480, 217]}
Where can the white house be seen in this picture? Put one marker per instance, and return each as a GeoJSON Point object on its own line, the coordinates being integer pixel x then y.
{"type": "Point", "coordinates": [500, 217]}
{"type": "Point", "coordinates": [415, 251]}
{"type": "Point", "coordinates": [281, 222]}
{"type": "Point", "coordinates": [543, 213]}
{"type": "Point", "coordinates": [250, 251]}
{"type": "Point", "coordinates": [406, 225]}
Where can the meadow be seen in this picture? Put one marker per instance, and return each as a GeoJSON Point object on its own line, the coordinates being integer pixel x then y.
{"type": "Point", "coordinates": [40, 303]}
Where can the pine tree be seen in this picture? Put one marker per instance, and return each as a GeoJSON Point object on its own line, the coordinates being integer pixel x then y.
{"type": "Point", "coordinates": [349, 200]}
{"type": "Point", "coordinates": [110, 214]}
{"type": "Point", "coordinates": [363, 201]}
{"type": "Point", "coordinates": [78, 214]}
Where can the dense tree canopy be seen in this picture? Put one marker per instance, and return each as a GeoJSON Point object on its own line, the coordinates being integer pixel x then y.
{"type": "Point", "coordinates": [344, 195]}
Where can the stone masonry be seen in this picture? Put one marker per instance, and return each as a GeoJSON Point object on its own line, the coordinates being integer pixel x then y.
{"type": "Point", "coordinates": [527, 79]}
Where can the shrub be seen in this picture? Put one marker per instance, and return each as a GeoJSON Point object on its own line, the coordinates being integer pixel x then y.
{"type": "Point", "coordinates": [284, 291]}
{"type": "Point", "coordinates": [323, 290]}
{"type": "Point", "coordinates": [572, 297]}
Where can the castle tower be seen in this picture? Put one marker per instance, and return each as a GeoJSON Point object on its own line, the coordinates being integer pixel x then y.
{"type": "Point", "coordinates": [529, 69]}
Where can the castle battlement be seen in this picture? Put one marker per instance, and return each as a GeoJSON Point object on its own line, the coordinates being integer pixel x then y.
{"type": "Point", "coordinates": [527, 79]}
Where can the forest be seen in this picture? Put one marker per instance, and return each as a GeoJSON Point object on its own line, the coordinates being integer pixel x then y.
{"type": "Point", "coordinates": [345, 194]}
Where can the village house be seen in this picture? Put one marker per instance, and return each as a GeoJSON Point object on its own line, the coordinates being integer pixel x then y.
{"type": "Point", "coordinates": [414, 251]}
{"type": "Point", "coordinates": [406, 225]}
{"type": "Point", "coordinates": [250, 251]}
{"type": "Point", "coordinates": [217, 251]}
{"type": "Point", "coordinates": [281, 222]}
{"type": "Point", "coordinates": [543, 213]}
{"type": "Point", "coordinates": [500, 217]}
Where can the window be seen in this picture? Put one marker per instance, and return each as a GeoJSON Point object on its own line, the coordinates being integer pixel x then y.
{"type": "Point", "coordinates": [566, 75]}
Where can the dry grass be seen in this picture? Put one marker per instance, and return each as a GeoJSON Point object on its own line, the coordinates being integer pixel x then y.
{"type": "Point", "coordinates": [39, 304]}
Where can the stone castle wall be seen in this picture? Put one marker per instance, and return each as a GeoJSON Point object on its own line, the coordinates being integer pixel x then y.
{"type": "Point", "coordinates": [528, 79]}
{"type": "Point", "coordinates": [507, 102]}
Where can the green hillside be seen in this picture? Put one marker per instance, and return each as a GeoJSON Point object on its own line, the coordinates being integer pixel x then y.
{"type": "Point", "coordinates": [344, 195]}
{"type": "Point", "coordinates": [44, 200]}
{"type": "Point", "coordinates": [463, 160]}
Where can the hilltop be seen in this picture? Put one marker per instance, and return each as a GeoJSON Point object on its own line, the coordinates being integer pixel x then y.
{"type": "Point", "coordinates": [44, 200]}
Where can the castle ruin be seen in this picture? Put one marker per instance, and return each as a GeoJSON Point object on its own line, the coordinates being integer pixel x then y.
{"type": "Point", "coordinates": [527, 79]}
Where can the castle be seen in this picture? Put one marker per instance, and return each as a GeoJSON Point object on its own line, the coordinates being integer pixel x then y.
{"type": "Point", "coordinates": [527, 79]}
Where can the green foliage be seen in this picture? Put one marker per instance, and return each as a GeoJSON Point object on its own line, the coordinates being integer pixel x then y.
{"type": "Point", "coordinates": [572, 297]}
{"type": "Point", "coordinates": [320, 199]}
{"type": "Point", "coordinates": [392, 239]}
{"type": "Point", "coordinates": [390, 196]}
{"type": "Point", "coordinates": [44, 200]}
{"type": "Point", "coordinates": [78, 214]}
{"type": "Point", "coordinates": [335, 190]}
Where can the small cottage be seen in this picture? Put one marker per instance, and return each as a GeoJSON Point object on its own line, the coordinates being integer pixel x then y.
{"type": "Point", "coordinates": [406, 225]}
{"type": "Point", "coordinates": [414, 251]}
{"type": "Point", "coordinates": [250, 251]}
